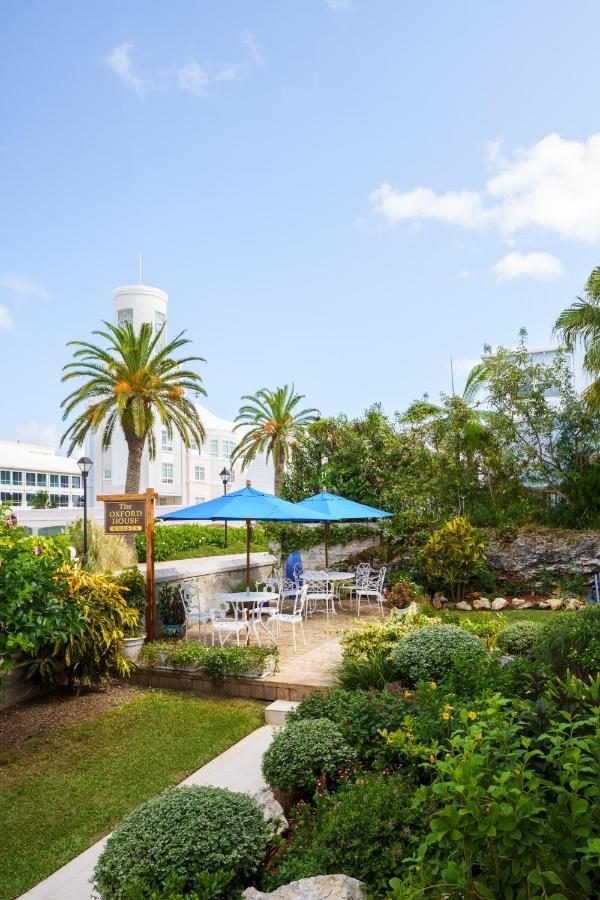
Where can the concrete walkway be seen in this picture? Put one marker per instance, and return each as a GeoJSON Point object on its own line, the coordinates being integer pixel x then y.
{"type": "Point", "coordinates": [237, 769]}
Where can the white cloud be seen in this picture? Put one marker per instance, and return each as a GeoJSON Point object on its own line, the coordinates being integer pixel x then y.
{"type": "Point", "coordinates": [192, 78]}
{"type": "Point", "coordinates": [119, 60]}
{"type": "Point", "coordinates": [36, 432]}
{"type": "Point", "coordinates": [532, 265]}
{"type": "Point", "coordinates": [552, 185]}
{"type": "Point", "coordinates": [23, 285]}
{"type": "Point", "coordinates": [6, 322]}
{"type": "Point", "coordinates": [464, 274]}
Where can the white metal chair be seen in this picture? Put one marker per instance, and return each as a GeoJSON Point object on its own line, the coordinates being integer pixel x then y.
{"type": "Point", "coordinates": [361, 578]}
{"type": "Point", "coordinates": [224, 628]}
{"type": "Point", "coordinates": [195, 607]}
{"type": "Point", "coordinates": [287, 590]}
{"type": "Point", "coordinates": [294, 618]}
{"type": "Point", "coordinates": [319, 592]}
{"type": "Point", "coordinates": [372, 588]}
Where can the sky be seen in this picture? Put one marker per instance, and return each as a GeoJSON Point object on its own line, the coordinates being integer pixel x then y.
{"type": "Point", "coordinates": [343, 194]}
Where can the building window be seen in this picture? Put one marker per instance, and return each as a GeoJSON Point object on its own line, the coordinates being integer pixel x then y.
{"type": "Point", "coordinates": [17, 478]}
{"type": "Point", "coordinates": [214, 448]}
{"type": "Point", "coordinates": [232, 476]}
{"type": "Point", "coordinates": [125, 315]}
{"type": "Point", "coordinates": [107, 474]}
{"type": "Point", "coordinates": [77, 499]}
{"type": "Point", "coordinates": [167, 473]}
{"type": "Point", "coordinates": [228, 448]}
{"type": "Point", "coordinates": [63, 500]}
{"type": "Point", "coordinates": [4, 476]}
{"type": "Point", "coordinates": [55, 499]}
{"type": "Point", "coordinates": [76, 481]}
{"type": "Point", "coordinates": [199, 473]}
{"type": "Point", "coordinates": [13, 498]}
{"type": "Point", "coordinates": [29, 498]}
{"type": "Point", "coordinates": [41, 479]}
{"type": "Point", "coordinates": [199, 499]}
{"type": "Point", "coordinates": [167, 442]}
{"type": "Point", "coordinates": [54, 481]}
{"type": "Point", "coordinates": [30, 479]}
{"type": "Point", "coordinates": [193, 444]}
{"type": "Point", "coordinates": [160, 321]}
{"type": "Point", "coordinates": [64, 481]}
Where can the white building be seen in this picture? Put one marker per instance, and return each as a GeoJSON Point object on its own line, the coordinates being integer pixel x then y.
{"type": "Point", "coordinates": [30, 469]}
{"type": "Point", "coordinates": [180, 476]}
{"type": "Point", "coordinates": [548, 356]}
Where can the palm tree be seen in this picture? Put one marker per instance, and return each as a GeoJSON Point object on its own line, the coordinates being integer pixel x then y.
{"type": "Point", "coordinates": [137, 384]}
{"type": "Point", "coordinates": [273, 425]}
{"type": "Point", "coordinates": [580, 323]}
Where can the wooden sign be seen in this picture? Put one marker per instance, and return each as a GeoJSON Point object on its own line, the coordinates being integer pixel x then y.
{"type": "Point", "coordinates": [133, 514]}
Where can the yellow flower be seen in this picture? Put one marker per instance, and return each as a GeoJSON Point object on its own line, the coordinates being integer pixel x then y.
{"type": "Point", "coordinates": [432, 685]}
{"type": "Point", "coordinates": [432, 759]}
{"type": "Point", "coordinates": [447, 706]}
{"type": "Point", "coordinates": [478, 736]}
{"type": "Point", "coordinates": [472, 715]}
{"type": "Point", "coordinates": [446, 715]}
{"type": "Point", "coordinates": [408, 693]}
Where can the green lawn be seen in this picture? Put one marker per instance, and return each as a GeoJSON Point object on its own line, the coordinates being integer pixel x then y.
{"type": "Point", "coordinates": [510, 615]}
{"type": "Point", "coordinates": [61, 793]}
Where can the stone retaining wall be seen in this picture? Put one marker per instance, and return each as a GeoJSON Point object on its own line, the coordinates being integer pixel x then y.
{"type": "Point", "coordinates": [247, 688]}
{"type": "Point", "coordinates": [553, 550]}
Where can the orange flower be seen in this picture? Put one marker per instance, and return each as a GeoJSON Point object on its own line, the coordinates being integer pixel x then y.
{"type": "Point", "coordinates": [122, 387]}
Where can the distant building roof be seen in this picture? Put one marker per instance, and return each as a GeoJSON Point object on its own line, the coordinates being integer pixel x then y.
{"type": "Point", "coordinates": [36, 458]}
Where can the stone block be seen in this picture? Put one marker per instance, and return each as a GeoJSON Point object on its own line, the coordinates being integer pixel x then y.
{"type": "Point", "coordinates": [321, 887]}
{"type": "Point", "coordinates": [482, 603]}
{"type": "Point", "coordinates": [276, 713]}
{"type": "Point", "coordinates": [466, 607]}
{"type": "Point", "coordinates": [499, 603]}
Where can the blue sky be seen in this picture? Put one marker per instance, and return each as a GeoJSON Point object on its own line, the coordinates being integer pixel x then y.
{"type": "Point", "coordinates": [339, 194]}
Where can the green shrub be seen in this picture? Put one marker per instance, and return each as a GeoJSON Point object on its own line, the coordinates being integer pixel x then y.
{"type": "Point", "coordinates": [303, 752]}
{"type": "Point", "coordinates": [187, 541]}
{"type": "Point", "coordinates": [365, 830]}
{"type": "Point", "coordinates": [383, 636]}
{"type": "Point", "coordinates": [170, 605]}
{"type": "Point", "coordinates": [370, 670]}
{"type": "Point", "coordinates": [183, 832]}
{"type": "Point", "coordinates": [428, 654]}
{"type": "Point", "coordinates": [403, 592]}
{"type": "Point", "coordinates": [203, 886]}
{"type": "Point", "coordinates": [216, 662]}
{"type": "Point", "coordinates": [453, 556]}
{"type": "Point", "coordinates": [518, 638]}
{"type": "Point", "coordinates": [292, 537]}
{"type": "Point", "coordinates": [571, 641]}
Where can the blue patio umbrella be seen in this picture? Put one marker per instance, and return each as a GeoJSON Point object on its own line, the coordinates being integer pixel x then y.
{"type": "Point", "coordinates": [246, 505]}
{"type": "Point", "coordinates": [339, 509]}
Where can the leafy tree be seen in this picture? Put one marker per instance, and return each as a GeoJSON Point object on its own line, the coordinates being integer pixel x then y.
{"type": "Point", "coordinates": [43, 501]}
{"type": "Point", "coordinates": [453, 556]}
{"type": "Point", "coordinates": [274, 425]}
{"type": "Point", "coordinates": [579, 323]}
{"type": "Point", "coordinates": [137, 384]}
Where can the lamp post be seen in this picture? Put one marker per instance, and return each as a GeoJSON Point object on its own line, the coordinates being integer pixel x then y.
{"type": "Point", "coordinates": [225, 475]}
{"type": "Point", "coordinates": [85, 464]}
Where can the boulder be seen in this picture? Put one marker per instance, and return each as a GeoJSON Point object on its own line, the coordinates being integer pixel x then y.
{"type": "Point", "coordinates": [543, 604]}
{"type": "Point", "coordinates": [272, 810]}
{"type": "Point", "coordinates": [482, 603]}
{"type": "Point", "coordinates": [464, 605]}
{"type": "Point", "coordinates": [438, 600]}
{"type": "Point", "coordinates": [321, 887]}
{"type": "Point", "coordinates": [520, 603]}
{"type": "Point", "coordinates": [499, 603]}
{"type": "Point", "coordinates": [572, 603]}
{"type": "Point", "coordinates": [555, 602]}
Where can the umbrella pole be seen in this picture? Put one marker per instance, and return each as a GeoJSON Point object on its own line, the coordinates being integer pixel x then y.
{"type": "Point", "coordinates": [326, 535]}
{"type": "Point", "coordinates": [247, 554]}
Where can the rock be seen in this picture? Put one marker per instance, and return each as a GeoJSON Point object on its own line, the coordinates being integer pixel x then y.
{"type": "Point", "coordinates": [272, 810]}
{"type": "Point", "coordinates": [438, 600]}
{"type": "Point", "coordinates": [321, 887]}
{"type": "Point", "coordinates": [464, 605]}
{"type": "Point", "coordinates": [555, 603]}
{"type": "Point", "coordinates": [412, 608]}
{"type": "Point", "coordinates": [553, 550]}
{"type": "Point", "coordinates": [499, 603]}
{"type": "Point", "coordinates": [543, 604]}
{"type": "Point", "coordinates": [572, 603]}
{"type": "Point", "coordinates": [482, 603]}
{"type": "Point", "coordinates": [519, 603]}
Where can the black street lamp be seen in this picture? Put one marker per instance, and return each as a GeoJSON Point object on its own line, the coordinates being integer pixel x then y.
{"type": "Point", "coordinates": [225, 475]}
{"type": "Point", "coordinates": [85, 464]}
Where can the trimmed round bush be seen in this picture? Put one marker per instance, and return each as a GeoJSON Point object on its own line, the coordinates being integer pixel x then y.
{"type": "Point", "coordinates": [182, 833]}
{"type": "Point", "coordinates": [518, 638]}
{"type": "Point", "coordinates": [429, 653]}
{"type": "Point", "coordinates": [570, 641]}
{"type": "Point", "coordinates": [304, 751]}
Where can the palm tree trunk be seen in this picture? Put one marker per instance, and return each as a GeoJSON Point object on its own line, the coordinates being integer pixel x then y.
{"type": "Point", "coordinates": [135, 447]}
{"type": "Point", "coordinates": [278, 478]}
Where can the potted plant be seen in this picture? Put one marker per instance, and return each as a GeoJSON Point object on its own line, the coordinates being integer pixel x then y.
{"type": "Point", "coordinates": [133, 585]}
{"type": "Point", "coordinates": [170, 610]}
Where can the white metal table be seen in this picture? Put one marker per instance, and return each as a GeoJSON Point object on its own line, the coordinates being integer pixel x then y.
{"type": "Point", "coordinates": [242, 599]}
{"type": "Point", "coordinates": [331, 575]}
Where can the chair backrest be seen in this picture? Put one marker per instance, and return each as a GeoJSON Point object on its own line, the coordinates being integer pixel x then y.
{"type": "Point", "coordinates": [298, 573]}
{"type": "Point", "coordinates": [318, 586]}
{"type": "Point", "coordinates": [189, 597]}
{"type": "Point", "coordinates": [219, 609]}
{"type": "Point", "coordinates": [381, 578]}
{"type": "Point", "coordinates": [363, 572]}
{"type": "Point", "coordinates": [300, 601]}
